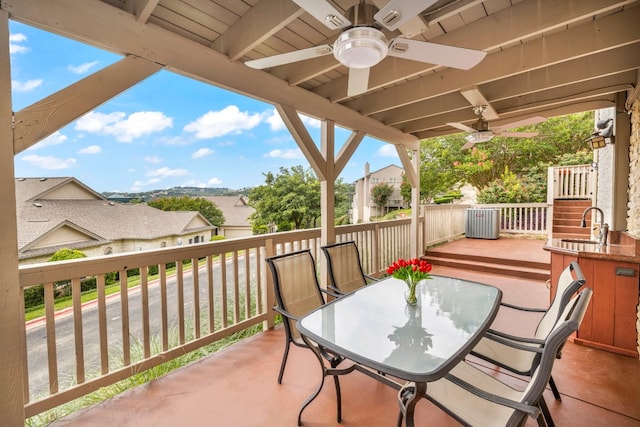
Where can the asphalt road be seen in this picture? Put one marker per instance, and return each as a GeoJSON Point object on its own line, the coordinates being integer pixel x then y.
{"type": "Point", "coordinates": [36, 332]}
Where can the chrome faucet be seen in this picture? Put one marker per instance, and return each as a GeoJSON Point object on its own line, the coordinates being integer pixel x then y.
{"type": "Point", "coordinates": [604, 227]}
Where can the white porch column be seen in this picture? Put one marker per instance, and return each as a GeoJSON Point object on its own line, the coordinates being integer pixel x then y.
{"type": "Point", "coordinates": [411, 167]}
{"type": "Point", "coordinates": [327, 186]}
{"type": "Point", "coordinates": [13, 389]}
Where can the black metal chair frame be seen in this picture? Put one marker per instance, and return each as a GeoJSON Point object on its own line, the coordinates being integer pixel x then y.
{"type": "Point", "coordinates": [533, 403]}
{"type": "Point", "coordinates": [562, 299]}
{"type": "Point", "coordinates": [289, 320]}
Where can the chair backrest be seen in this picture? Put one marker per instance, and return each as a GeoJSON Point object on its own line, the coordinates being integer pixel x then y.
{"type": "Point", "coordinates": [343, 264]}
{"type": "Point", "coordinates": [570, 281]}
{"type": "Point", "coordinates": [569, 322]}
{"type": "Point", "coordinates": [296, 285]}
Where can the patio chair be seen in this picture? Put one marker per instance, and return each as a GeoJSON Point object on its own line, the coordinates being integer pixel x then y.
{"type": "Point", "coordinates": [297, 293]}
{"type": "Point", "coordinates": [476, 398]}
{"type": "Point", "coordinates": [345, 271]}
{"type": "Point", "coordinates": [492, 348]}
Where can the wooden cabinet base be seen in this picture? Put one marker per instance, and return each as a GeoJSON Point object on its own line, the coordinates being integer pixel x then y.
{"type": "Point", "coordinates": [606, 347]}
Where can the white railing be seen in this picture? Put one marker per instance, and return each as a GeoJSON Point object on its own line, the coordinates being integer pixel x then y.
{"type": "Point", "coordinates": [522, 218]}
{"type": "Point", "coordinates": [570, 182]}
{"type": "Point", "coordinates": [186, 297]}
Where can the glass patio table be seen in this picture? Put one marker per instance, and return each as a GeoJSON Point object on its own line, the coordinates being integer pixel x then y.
{"type": "Point", "coordinates": [375, 328]}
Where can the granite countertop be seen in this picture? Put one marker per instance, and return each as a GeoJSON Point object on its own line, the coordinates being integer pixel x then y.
{"type": "Point", "coordinates": [625, 251]}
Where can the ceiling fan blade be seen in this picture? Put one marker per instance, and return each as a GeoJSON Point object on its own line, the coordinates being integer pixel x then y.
{"type": "Point", "coordinates": [358, 81]}
{"type": "Point", "coordinates": [477, 99]}
{"type": "Point", "coordinates": [289, 57]}
{"type": "Point", "coordinates": [462, 127]}
{"type": "Point", "coordinates": [397, 12]}
{"type": "Point", "coordinates": [437, 54]}
{"type": "Point", "coordinates": [324, 12]}
{"type": "Point", "coordinates": [520, 123]}
{"type": "Point", "coordinates": [468, 145]}
{"type": "Point", "coordinates": [516, 134]}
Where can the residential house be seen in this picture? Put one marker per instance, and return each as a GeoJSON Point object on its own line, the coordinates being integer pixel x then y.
{"type": "Point", "coordinates": [56, 213]}
{"type": "Point", "coordinates": [236, 211]}
{"type": "Point", "coordinates": [363, 207]}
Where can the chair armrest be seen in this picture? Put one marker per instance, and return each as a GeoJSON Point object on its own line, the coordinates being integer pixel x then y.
{"type": "Point", "coordinates": [515, 341]}
{"type": "Point", "coordinates": [518, 307]}
{"type": "Point", "coordinates": [286, 313]}
{"type": "Point", "coordinates": [532, 411]}
{"type": "Point", "coordinates": [373, 279]}
{"type": "Point", "coordinates": [332, 291]}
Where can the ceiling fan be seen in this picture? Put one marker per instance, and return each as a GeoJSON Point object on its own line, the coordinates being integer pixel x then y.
{"type": "Point", "coordinates": [362, 44]}
{"type": "Point", "coordinates": [480, 132]}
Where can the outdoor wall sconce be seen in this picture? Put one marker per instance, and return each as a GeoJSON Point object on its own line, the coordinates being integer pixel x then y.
{"type": "Point", "coordinates": [597, 141]}
{"type": "Point", "coordinates": [604, 134]}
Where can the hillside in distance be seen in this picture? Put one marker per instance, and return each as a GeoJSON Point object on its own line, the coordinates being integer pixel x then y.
{"type": "Point", "coordinates": [146, 196]}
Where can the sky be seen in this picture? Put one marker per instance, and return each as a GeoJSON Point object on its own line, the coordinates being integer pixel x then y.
{"type": "Point", "coordinates": [165, 131]}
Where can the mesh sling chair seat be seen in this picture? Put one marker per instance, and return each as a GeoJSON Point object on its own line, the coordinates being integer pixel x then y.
{"type": "Point", "coordinates": [476, 398]}
{"type": "Point", "coordinates": [344, 268]}
{"type": "Point", "coordinates": [492, 348]}
{"type": "Point", "coordinates": [297, 293]}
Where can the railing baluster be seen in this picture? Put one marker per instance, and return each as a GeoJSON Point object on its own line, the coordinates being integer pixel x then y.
{"type": "Point", "coordinates": [210, 294]}
{"type": "Point", "coordinates": [144, 289]}
{"type": "Point", "coordinates": [50, 320]}
{"type": "Point", "coordinates": [77, 329]}
{"type": "Point", "coordinates": [102, 324]}
{"type": "Point", "coordinates": [180, 295]}
{"type": "Point", "coordinates": [124, 310]}
{"type": "Point", "coordinates": [162, 271]}
{"type": "Point", "coordinates": [236, 288]}
{"type": "Point", "coordinates": [247, 284]}
{"type": "Point", "coordinates": [223, 273]}
{"type": "Point", "coordinates": [195, 277]}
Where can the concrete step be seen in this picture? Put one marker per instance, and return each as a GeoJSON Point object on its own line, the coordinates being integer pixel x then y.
{"type": "Point", "coordinates": [482, 263]}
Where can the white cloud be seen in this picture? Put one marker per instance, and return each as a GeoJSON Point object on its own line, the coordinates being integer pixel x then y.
{"type": "Point", "coordinates": [229, 120]}
{"type": "Point", "coordinates": [125, 129]}
{"type": "Point", "coordinates": [214, 181]}
{"type": "Point", "coordinates": [82, 68]}
{"type": "Point", "coordinates": [26, 86]}
{"type": "Point", "coordinates": [153, 159]}
{"type": "Point", "coordinates": [140, 185]}
{"type": "Point", "coordinates": [203, 152]}
{"type": "Point", "coordinates": [387, 150]}
{"type": "Point", "coordinates": [276, 123]}
{"type": "Point", "coordinates": [17, 48]}
{"type": "Point", "coordinates": [167, 172]}
{"type": "Point", "coordinates": [91, 149]}
{"type": "Point", "coordinates": [49, 162]}
{"type": "Point", "coordinates": [292, 153]}
{"type": "Point", "coordinates": [55, 138]}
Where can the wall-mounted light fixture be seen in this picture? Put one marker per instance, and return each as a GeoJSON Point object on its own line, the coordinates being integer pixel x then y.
{"type": "Point", "coordinates": [603, 135]}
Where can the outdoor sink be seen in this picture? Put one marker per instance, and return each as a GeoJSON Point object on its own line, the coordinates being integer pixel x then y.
{"type": "Point", "coordinates": [585, 241]}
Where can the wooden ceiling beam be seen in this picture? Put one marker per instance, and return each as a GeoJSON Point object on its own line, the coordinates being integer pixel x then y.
{"type": "Point", "coordinates": [534, 17]}
{"type": "Point", "coordinates": [606, 33]}
{"type": "Point", "coordinates": [587, 68]}
{"type": "Point", "coordinates": [259, 23]}
{"type": "Point", "coordinates": [98, 24]}
{"type": "Point", "coordinates": [43, 118]}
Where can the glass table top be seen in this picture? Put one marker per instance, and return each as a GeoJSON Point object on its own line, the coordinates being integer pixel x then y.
{"type": "Point", "coordinates": [376, 327]}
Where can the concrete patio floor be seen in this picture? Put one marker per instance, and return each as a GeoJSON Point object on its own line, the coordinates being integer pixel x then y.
{"type": "Point", "coordinates": [238, 386]}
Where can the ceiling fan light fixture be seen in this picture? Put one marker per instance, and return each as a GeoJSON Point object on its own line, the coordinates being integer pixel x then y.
{"type": "Point", "coordinates": [478, 137]}
{"type": "Point", "coordinates": [360, 47]}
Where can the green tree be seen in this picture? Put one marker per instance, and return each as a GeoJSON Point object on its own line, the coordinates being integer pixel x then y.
{"type": "Point", "coordinates": [380, 194]}
{"type": "Point", "coordinates": [66, 253]}
{"type": "Point", "coordinates": [291, 200]}
{"type": "Point", "coordinates": [208, 209]}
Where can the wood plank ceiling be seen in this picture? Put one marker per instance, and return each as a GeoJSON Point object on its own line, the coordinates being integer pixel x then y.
{"type": "Point", "coordinates": [544, 57]}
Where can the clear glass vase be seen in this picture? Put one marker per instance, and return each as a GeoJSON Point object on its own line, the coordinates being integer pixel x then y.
{"type": "Point", "coordinates": [410, 294]}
